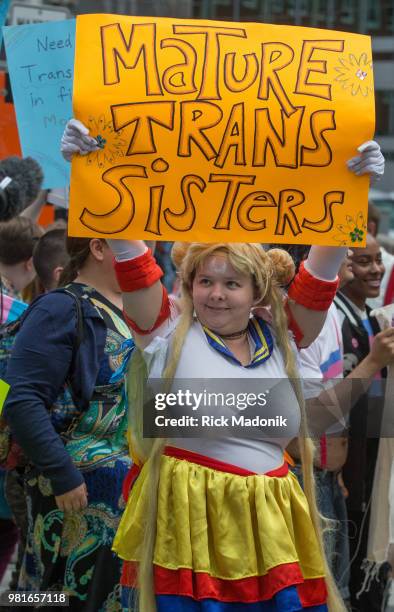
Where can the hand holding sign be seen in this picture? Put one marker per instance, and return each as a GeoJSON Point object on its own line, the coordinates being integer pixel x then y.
{"type": "Point", "coordinates": [76, 139]}
{"type": "Point", "coordinates": [371, 161]}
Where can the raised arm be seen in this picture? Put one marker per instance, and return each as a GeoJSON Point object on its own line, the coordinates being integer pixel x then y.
{"type": "Point", "coordinates": [312, 291]}
{"type": "Point", "coordinates": [144, 297]}
{"type": "Point", "coordinates": [315, 285]}
{"type": "Point", "coordinates": [145, 300]}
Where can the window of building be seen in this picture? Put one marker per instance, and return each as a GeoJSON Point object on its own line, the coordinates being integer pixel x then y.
{"type": "Point", "coordinates": [374, 17]}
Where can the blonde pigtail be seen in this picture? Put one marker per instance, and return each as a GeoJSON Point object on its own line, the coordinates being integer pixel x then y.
{"type": "Point", "coordinates": [183, 326]}
{"type": "Point", "coordinates": [307, 449]}
{"type": "Point", "coordinates": [136, 392]}
{"type": "Point", "coordinates": [146, 593]}
{"type": "Point", "coordinates": [146, 601]}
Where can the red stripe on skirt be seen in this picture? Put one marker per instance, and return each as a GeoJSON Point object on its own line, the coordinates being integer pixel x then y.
{"type": "Point", "coordinates": [220, 466]}
{"type": "Point", "coordinates": [198, 585]}
{"type": "Point", "coordinates": [214, 464]}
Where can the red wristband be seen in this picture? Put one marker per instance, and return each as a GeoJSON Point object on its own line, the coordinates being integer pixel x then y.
{"type": "Point", "coordinates": [138, 273]}
{"type": "Point", "coordinates": [162, 316]}
{"type": "Point", "coordinates": [310, 291]}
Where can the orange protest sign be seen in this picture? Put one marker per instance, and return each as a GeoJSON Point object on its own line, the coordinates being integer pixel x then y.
{"type": "Point", "coordinates": [213, 131]}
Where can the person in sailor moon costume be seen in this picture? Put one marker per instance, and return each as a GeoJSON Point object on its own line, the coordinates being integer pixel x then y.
{"type": "Point", "coordinates": [223, 525]}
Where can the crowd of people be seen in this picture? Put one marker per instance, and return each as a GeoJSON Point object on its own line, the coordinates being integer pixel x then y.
{"type": "Point", "coordinates": [119, 520]}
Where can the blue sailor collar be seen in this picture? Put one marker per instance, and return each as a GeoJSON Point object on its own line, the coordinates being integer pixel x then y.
{"type": "Point", "coordinates": [260, 333]}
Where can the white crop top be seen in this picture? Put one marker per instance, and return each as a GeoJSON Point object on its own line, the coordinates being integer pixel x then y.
{"type": "Point", "coordinates": [199, 360]}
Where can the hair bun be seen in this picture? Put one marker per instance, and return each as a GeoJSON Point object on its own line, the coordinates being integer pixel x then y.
{"type": "Point", "coordinates": [178, 252]}
{"type": "Point", "coordinates": [282, 265]}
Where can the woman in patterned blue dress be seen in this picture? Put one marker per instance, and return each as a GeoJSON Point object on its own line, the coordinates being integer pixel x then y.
{"type": "Point", "coordinates": [67, 410]}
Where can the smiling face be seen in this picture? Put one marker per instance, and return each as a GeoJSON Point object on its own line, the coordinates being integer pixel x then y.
{"type": "Point", "coordinates": [368, 271]}
{"type": "Point", "coordinates": [222, 296]}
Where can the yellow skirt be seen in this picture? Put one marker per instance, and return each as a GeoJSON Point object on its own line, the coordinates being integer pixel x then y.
{"type": "Point", "coordinates": [243, 537]}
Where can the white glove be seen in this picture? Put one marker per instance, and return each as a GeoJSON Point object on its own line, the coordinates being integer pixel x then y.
{"type": "Point", "coordinates": [371, 161]}
{"type": "Point", "coordinates": [76, 139]}
{"type": "Point", "coordinates": [124, 250]}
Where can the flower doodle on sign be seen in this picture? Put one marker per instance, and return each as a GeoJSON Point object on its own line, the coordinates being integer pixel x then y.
{"type": "Point", "coordinates": [354, 230]}
{"type": "Point", "coordinates": [355, 74]}
{"type": "Point", "coordinates": [110, 142]}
